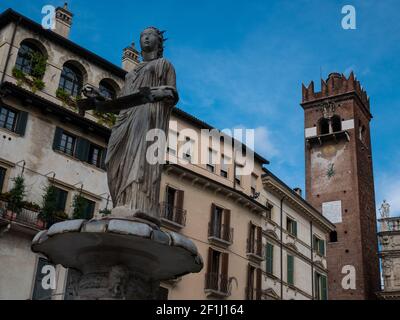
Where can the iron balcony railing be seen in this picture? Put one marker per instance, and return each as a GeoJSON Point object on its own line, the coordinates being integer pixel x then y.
{"type": "Point", "coordinates": [253, 293]}
{"type": "Point", "coordinates": [255, 247]}
{"type": "Point", "coordinates": [26, 217]}
{"type": "Point", "coordinates": [220, 231]}
{"type": "Point", "coordinates": [217, 282]}
{"type": "Point", "coordinates": [173, 214]}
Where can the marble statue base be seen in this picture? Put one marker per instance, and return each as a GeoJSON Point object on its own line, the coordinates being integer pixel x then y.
{"type": "Point", "coordinates": [118, 258]}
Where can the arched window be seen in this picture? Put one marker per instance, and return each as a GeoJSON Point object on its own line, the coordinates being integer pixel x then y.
{"type": "Point", "coordinates": [107, 90]}
{"type": "Point", "coordinates": [71, 80]}
{"type": "Point", "coordinates": [336, 124]}
{"type": "Point", "coordinates": [323, 126]}
{"type": "Point", "coordinates": [28, 59]}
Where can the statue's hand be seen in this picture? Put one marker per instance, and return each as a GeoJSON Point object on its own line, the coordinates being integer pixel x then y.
{"type": "Point", "coordinates": [92, 93]}
{"type": "Point", "coordinates": [167, 94]}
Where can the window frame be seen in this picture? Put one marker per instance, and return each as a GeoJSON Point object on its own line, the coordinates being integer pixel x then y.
{"type": "Point", "coordinates": [76, 81]}
{"type": "Point", "coordinates": [291, 226]}
{"type": "Point", "coordinates": [6, 118]}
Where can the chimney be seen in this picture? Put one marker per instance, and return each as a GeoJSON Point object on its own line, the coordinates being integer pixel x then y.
{"type": "Point", "coordinates": [298, 191]}
{"type": "Point", "coordinates": [130, 58]}
{"type": "Point", "coordinates": [63, 21]}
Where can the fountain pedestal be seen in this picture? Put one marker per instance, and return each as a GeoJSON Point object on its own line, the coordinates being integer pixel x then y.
{"type": "Point", "coordinates": [118, 258]}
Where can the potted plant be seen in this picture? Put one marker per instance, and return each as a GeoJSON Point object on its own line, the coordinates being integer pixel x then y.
{"type": "Point", "coordinates": [16, 198]}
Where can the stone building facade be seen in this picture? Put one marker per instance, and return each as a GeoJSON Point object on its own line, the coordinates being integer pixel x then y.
{"type": "Point", "coordinates": [44, 139]}
{"type": "Point", "coordinates": [389, 240]}
{"type": "Point", "coordinates": [339, 181]}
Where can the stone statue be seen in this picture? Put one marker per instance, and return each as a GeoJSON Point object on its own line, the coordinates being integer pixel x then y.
{"type": "Point", "coordinates": [146, 102]}
{"type": "Point", "coordinates": [385, 210]}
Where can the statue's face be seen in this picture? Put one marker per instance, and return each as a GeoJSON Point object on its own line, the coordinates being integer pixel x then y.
{"type": "Point", "coordinates": [149, 40]}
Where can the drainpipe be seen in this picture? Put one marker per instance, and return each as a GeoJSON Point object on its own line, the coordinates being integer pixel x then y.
{"type": "Point", "coordinates": [312, 260]}
{"type": "Point", "coordinates": [283, 198]}
{"type": "Point", "coordinates": [9, 51]}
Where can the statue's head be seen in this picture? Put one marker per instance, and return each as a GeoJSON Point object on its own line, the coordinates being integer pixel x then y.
{"type": "Point", "coordinates": [152, 40]}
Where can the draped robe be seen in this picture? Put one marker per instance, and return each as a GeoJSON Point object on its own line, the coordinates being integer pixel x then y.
{"type": "Point", "coordinates": [133, 182]}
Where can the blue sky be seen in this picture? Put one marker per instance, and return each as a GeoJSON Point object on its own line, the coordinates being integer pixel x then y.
{"type": "Point", "coordinates": [241, 64]}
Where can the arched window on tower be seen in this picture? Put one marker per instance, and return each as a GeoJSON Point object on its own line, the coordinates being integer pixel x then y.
{"type": "Point", "coordinates": [361, 131]}
{"type": "Point", "coordinates": [336, 123]}
{"type": "Point", "coordinates": [107, 89]}
{"type": "Point", "coordinates": [71, 80]}
{"type": "Point", "coordinates": [323, 126]}
{"type": "Point", "coordinates": [31, 60]}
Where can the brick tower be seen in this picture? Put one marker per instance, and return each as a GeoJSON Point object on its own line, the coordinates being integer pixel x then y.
{"type": "Point", "coordinates": [340, 183]}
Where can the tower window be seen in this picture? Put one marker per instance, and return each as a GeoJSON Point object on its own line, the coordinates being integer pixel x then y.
{"type": "Point", "coordinates": [336, 124]}
{"type": "Point", "coordinates": [333, 237]}
{"type": "Point", "coordinates": [324, 126]}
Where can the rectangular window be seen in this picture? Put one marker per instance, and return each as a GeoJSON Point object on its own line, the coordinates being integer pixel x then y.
{"type": "Point", "coordinates": [13, 120]}
{"type": "Point", "coordinates": [89, 208]}
{"type": "Point", "coordinates": [320, 285]}
{"type": "Point", "coordinates": [238, 178]}
{"type": "Point", "coordinates": [3, 172]}
{"type": "Point", "coordinates": [61, 196]}
{"type": "Point", "coordinates": [217, 271]}
{"type": "Point", "coordinates": [291, 226]}
{"type": "Point", "coordinates": [219, 226]}
{"type": "Point", "coordinates": [172, 142]}
{"type": "Point", "coordinates": [188, 150]}
{"type": "Point", "coordinates": [254, 279]}
{"type": "Point", "coordinates": [253, 184]}
{"type": "Point", "coordinates": [40, 293]}
{"type": "Point", "coordinates": [173, 206]}
{"type": "Point", "coordinates": [319, 245]}
{"type": "Point", "coordinates": [67, 144]}
{"type": "Point", "coordinates": [269, 258]}
{"type": "Point", "coordinates": [290, 270]}
{"type": "Point", "coordinates": [224, 166]}
{"type": "Point", "coordinates": [95, 155]}
{"type": "Point", "coordinates": [8, 119]}
{"type": "Point", "coordinates": [254, 241]}
{"type": "Point", "coordinates": [211, 161]}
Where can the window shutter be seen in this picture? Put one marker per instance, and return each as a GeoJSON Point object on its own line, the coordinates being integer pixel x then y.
{"type": "Point", "coordinates": [57, 138]}
{"type": "Point", "coordinates": [249, 283]}
{"type": "Point", "coordinates": [322, 247]}
{"type": "Point", "coordinates": [179, 199]}
{"type": "Point", "coordinates": [250, 238]}
{"type": "Point", "coordinates": [227, 222]}
{"type": "Point", "coordinates": [290, 269]}
{"type": "Point", "coordinates": [103, 159]}
{"type": "Point", "coordinates": [209, 261]}
{"type": "Point", "coordinates": [212, 220]}
{"type": "Point", "coordinates": [324, 295]}
{"type": "Point", "coordinates": [295, 228]}
{"type": "Point", "coordinates": [2, 177]}
{"type": "Point", "coordinates": [259, 241]}
{"type": "Point", "coordinates": [224, 272]}
{"type": "Point", "coordinates": [82, 149]}
{"type": "Point", "coordinates": [269, 258]}
{"type": "Point", "coordinates": [258, 284]}
{"type": "Point", "coordinates": [21, 123]}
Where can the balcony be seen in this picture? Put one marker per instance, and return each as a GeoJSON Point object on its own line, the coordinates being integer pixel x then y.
{"type": "Point", "coordinates": [220, 234]}
{"type": "Point", "coordinates": [216, 285]}
{"type": "Point", "coordinates": [172, 217]}
{"type": "Point", "coordinates": [255, 250]}
{"type": "Point", "coordinates": [27, 220]}
{"type": "Point", "coordinates": [253, 293]}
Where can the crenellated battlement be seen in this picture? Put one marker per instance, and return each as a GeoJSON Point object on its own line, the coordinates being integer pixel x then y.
{"type": "Point", "coordinates": [335, 84]}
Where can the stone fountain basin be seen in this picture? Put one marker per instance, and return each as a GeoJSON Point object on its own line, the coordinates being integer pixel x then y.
{"type": "Point", "coordinates": [97, 245]}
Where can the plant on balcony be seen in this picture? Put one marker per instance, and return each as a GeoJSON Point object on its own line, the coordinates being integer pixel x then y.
{"type": "Point", "coordinates": [66, 98]}
{"type": "Point", "coordinates": [107, 119]}
{"type": "Point", "coordinates": [33, 80]}
{"type": "Point", "coordinates": [16, 195]}
{"type": "Point", "coordinates": [78, 206]}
